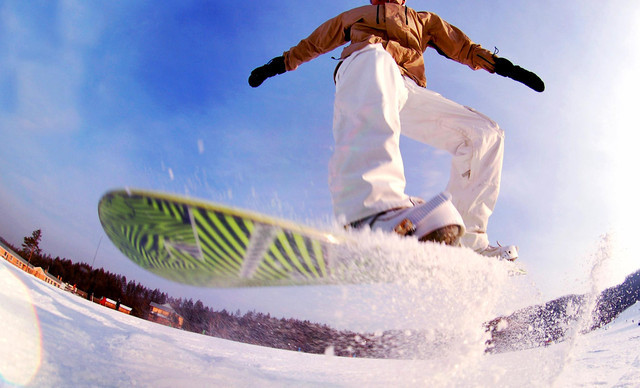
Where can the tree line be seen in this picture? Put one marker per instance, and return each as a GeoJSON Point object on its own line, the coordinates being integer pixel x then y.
{"type": "Point", "coordinates": [95, 282]}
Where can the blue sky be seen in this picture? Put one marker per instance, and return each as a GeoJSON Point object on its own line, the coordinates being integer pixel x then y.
{"type": "Point", "coordinates": [98, 95]}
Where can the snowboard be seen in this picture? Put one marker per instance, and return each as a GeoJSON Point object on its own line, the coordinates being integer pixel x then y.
{"type": "Point", "coordinates": [212, 245]}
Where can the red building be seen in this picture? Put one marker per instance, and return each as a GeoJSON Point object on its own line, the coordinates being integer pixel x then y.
{"type": "Point", "coordinates": [112, 304]}
{"type": "Point", "coordinates": [164, 314]}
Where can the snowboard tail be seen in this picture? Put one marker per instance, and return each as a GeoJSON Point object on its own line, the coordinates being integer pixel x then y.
{"type": "Point", "coordinates": [207, 244]}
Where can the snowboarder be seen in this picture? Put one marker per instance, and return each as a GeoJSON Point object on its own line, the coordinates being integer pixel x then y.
{"type": "Point", "coordinates": [381, 93]}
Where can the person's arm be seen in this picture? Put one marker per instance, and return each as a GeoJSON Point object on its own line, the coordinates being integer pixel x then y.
{"type": "Point", "coordinates": [451, 42]}
{"type": "Point", "coordinates": [328, 36]}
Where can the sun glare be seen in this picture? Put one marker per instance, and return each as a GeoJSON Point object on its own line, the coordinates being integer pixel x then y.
{"type": "Point", "coordinates": [626, 156]}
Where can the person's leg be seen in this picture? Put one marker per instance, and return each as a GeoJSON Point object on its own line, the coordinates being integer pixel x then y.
{"type": "Point", "coordinates": [366, 174]}
{"type": "Point", "coordinates": [476, 145]}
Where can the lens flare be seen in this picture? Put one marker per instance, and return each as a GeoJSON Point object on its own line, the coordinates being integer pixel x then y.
{"type": "Point", "coordinates": [20, 337]}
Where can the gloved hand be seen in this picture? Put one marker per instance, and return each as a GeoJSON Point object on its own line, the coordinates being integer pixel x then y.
{"type": "Point", "coordinates": [505, 68]}
{"type": "Point", "coordinates": [274, 67]}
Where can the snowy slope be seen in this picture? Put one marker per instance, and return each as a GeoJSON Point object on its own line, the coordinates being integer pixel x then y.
{"type": "Point", "coordinates": [53, 338]}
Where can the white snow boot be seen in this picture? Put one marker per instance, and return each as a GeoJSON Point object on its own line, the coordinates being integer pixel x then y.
{"type": "Point", "coordinates": [436, 220]}
{"type": "Point", "coordinates": [507, 252]}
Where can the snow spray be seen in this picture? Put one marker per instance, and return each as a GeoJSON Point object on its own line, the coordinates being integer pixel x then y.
{"type": "Point", "coordinates": [585, 311]}
{"type": "Point", "coordinates": [432, 300]}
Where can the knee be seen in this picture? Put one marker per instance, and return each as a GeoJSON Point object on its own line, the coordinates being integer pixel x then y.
{"type": "Point", "coordinates": [486, 129]}
{"type": "Point", "coordinates": [493, 139]}
{"type": "Point", "coordinates": [493, 133]}
{"type": "Point", "coordinates": [488, 137]}
{"type": "Point", "coordinates": [485, 134]}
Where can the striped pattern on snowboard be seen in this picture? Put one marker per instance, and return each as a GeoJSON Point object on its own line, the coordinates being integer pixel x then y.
{"type": "Point", "coordinates": [206, 244]}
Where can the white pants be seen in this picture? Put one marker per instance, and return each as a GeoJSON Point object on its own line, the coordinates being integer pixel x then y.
{"type": "Point", "coordinates": [374, 104]}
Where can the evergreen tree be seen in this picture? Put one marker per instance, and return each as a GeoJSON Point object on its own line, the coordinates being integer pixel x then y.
{"type": "Point", "coordinates": [31, 245]}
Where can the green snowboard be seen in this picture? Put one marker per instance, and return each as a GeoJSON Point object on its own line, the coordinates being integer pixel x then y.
{"type": "Point", "coordinates": [206, 244]}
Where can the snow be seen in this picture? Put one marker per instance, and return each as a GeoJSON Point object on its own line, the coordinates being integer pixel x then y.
{"type": "Point", "coordinates": [54, 338]}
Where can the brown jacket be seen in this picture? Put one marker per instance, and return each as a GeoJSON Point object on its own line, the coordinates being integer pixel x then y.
{"type": "Point", "coordinates": [403, 32]}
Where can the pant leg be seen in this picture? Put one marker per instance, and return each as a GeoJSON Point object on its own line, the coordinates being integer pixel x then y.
{"type": "Point", "coordinates": [366, 173]}
{"type": "Point", "coordinates": [476, 144]}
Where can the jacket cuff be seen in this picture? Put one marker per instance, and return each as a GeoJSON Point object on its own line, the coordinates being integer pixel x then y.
{"type": "Point", "coordinates": [484, 59]}
{"type": "Point", "coordinates": [289, 62]}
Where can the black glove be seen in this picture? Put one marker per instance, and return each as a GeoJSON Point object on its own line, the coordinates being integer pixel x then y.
{"type": "Point", "coordinates": [274, 67]}
{"type": "Point", "coordinates": [505, 68]}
